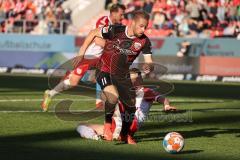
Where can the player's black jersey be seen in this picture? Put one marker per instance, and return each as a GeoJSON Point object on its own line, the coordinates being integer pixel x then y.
{"type": "Point", "coordinates": [121, 50]}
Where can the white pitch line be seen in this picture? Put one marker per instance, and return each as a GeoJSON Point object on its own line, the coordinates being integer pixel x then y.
{"type": "Point", "coordinates": [200, 110]}
{"type": "Point", "coordinates": [195, 100]}
{"type": "Point", "coordinates": [90, 99]}
{"type": "Point", "coordinates": [78, 111]}
{"type": "Point", "coordinates": [39, 111]}
{"type": "Point", "coordinates": [38, 100]}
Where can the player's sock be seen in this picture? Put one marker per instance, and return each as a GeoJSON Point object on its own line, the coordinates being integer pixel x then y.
{"type": "Point", "coordinates": [62, 86]}
{"type": "Point", "coordinates": [125, 128]}
{"type": "Point", "coordinates": [127, 121]}
{"type": "Point", "coordinates": [134, 126]}
{"type": "Point", "coordinates": [116, 123]}
{"type": "Point", "coordinates": [87, 132]}
{"type": "Point", "coordinates": [109, 110]}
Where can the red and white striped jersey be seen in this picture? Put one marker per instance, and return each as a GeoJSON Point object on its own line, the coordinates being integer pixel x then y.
{"type": "Point", "coordinates": [94, 50]}
{"type": "Point", "coordinates": [103, 21]}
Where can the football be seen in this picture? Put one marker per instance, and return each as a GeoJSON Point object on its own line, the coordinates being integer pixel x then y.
{"type": "Point", "coordinates": [173, 142]}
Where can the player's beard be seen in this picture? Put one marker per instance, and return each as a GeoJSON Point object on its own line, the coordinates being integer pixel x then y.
{"type": "Point", "coordinates": [137, 34]}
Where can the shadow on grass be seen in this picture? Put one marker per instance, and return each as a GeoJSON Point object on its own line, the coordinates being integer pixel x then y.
{"type": "Point", "coordinates": [45, 146]}
{"type": "Point", "coordinates": [197, 110]}
{"type": "Point", "coordinates": [207, 132]}
{"type": "Point", "coordinates": [151, 131]}
{"type": "Point", "coordinates": [56, 145]}
{"type": "Point", "coordinates": [207, 119]}
{"type": "Point", "coordinates": [190, 151]}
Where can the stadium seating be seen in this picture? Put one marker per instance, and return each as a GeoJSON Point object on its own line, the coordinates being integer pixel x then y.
{"type": "Point", "coordinates": [175, 18]}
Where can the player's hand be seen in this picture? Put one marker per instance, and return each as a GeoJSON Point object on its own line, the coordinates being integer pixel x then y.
{"type": "Point", "coordinates": [147, 68]}
{"type": "Point", "coordinates": [76, 61]}
{"type": "Point", "coordinates": [169, 108]}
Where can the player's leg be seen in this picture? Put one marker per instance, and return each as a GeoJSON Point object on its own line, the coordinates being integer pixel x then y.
{"type": "Point", "coordinates": [127, 97]}
{"type": "Point", "coordinates": [116, 119]}
{"type": "Point", "coordinates": [90, 131]}
{"type": "Point", "coordinates": [98, 128]}
{"type": "Point", "coordinates": [69, 81]}
{"type": "Point", "coordinates": [77, 74]}
{"type": "Point", "coordinates": [140, 117]}
{"type": "Point", "coordinates": [111, 95]}
{"type": "Point", "coordinates": [116, 123]}
{"type": "Point", "coordinates": [128, 119]}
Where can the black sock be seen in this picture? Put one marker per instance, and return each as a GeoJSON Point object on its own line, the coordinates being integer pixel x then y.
{"type": "Point", "coordinates": [125, 128]}
{"type": "Point", "coordinates": [109, 110]}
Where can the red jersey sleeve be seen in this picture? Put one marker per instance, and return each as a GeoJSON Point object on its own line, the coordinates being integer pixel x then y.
{"type": "Point", "coordinates": [150, 94]}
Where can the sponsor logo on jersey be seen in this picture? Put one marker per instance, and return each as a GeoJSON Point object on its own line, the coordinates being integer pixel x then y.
{"type": "Point", "coordinates": [137, 45]}
{"type": "Point", "coordinates": [79, 71]}
{"type": "Point", "coordinates": [124, 51]}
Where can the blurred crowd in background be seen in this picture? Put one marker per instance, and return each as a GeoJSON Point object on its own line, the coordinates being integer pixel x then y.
{"type": "Point", "coordinates": [188, 18]}
{"type": "Point", "coordinates": [34, 16]}
{"type": "Point", "coordinates": [169, 18]}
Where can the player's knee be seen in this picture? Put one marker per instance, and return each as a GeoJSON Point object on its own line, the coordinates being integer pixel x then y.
{"type": "Point", "coordinates": [109, 107]}
{"type": "Point", "coordinates": [113, 100]}
{"type": "Point", "coordinates": [80, 129]}
{"type": "Point", "coordinates": [87, 132]}
{"type": "Point", "coordinates": [73, 82]}
{"type": "Point", "coordinates": [111, 94]}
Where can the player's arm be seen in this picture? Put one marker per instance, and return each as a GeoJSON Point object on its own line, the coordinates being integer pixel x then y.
{"type": "Point", "coordinates": [147, 55]}
{"type": "Point", "coordinates": [165, 102]}
{"type": "Point", "coordinates": [88, 40]}
{"type": "Point", "coordinates": [92, 34]}
{"type": "Point", "coordinates": [148, 66]}
{"type": "Point", "coordinates": [104, 32]}
{"type": "Point", "coordinates": [153, 95]}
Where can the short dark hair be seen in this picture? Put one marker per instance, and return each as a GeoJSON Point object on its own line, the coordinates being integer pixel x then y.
{"type": "Point", "coordinates": [140, 14]}
{"type": "Point", "coordinates": [116, 7]}
{"type": "Point", "coordinates": [135, 70]}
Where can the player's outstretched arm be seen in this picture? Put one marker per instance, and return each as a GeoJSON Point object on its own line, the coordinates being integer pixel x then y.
{"type": "Point", "coordinates": [166, 103]}
{"type": "Point", "coordinates": [88, 40]}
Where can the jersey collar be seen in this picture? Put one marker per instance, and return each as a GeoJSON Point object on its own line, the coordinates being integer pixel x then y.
{"type": "Point", "coordinates": [126, 33]}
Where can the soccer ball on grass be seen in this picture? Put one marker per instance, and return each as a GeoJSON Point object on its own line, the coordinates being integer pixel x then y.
{"type": "Point", "coordinates": [173, 142]}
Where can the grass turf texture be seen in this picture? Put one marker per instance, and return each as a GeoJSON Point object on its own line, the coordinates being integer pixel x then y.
{"type": "Point", "coordinates": [209, 121]}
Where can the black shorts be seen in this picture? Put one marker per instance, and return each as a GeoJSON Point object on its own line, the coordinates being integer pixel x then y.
{"type": "Point", "coordinates": [123, 84]}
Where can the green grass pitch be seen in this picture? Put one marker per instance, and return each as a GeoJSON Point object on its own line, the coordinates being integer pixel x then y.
{"type": "Point", "coordinates": [209, 121]}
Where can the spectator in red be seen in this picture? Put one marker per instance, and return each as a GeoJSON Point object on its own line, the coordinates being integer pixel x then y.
{"type": "Point", "coordinates": [8, 6]}
{"type": "Point", "coordinates": [159, 5]}
{"type": "Point", "coordinates": [31, 6]}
